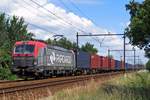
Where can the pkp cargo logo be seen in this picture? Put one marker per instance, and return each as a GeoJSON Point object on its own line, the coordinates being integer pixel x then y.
{"type": "Point", "coordinates": [51, 58]}
{"type": "Point", "coordinates": [54, 58]}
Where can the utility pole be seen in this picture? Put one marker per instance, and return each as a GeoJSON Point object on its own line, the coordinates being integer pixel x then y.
{"type": "Point", "coordinates": [124, 53]}
{"type": "Point", "coordinates": [138, 62]}
{"type": "Point", "coordinates": [77, 37]}
{"type": "Point", "coordinates": [108, 52]}
{"type": "Point", "coordinates": [134, 58]}
{"type": "Point", "coordinates": [91, 35]}
{"type": "Point", "coordinates": [108, 58]}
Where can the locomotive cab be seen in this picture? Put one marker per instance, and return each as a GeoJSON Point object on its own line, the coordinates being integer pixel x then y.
{"type": "Point", "coordinates": [25, 56]}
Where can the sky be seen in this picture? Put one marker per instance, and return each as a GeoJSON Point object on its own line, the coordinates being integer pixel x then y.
{"type": "Point", "coordinates": [46, 18]}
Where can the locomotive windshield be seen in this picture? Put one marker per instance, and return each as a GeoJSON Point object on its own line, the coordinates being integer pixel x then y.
{"type": "Point", "coordinates": [24, 49]}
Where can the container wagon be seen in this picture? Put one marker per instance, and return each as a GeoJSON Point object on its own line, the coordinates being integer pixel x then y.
{"type": "Point", "coordinates": [95, 63]}
{"type": "Point", "coordinates": [122, 65]}
{"type": "Point", "coordinates": [105, 63]}
{"type": "Point", "coordinates": [112, 64]}
{"type": "Point", "coordinates": [117, 65]}
{"type": "Point", "coordinates": [83, 62]}
{"type": "Point", "coordinates": [101, 61]}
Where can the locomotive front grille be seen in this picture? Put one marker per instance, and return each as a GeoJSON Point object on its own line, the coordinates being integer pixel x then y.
{"type": "Point", "coordinates": [23, 61]}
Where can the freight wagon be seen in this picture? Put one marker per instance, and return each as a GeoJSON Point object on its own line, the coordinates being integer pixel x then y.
{"type": "Point", "coordinates": [95, 63]}
{"type": "Point", "coordinates": [112, 64]}
{"type": "Point", "coordinates": [101, 60]}
{"type": "Point", "coordinates": [83, 62]}
{"type": "Point", "coordinates": [117, 65]}
{"type": "Point", "coordinates": [122, 65]}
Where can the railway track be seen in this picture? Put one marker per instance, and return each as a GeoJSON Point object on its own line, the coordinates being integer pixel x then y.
{"type": "Point", "coordinates": [20, 85]}
{"type": "Point", "coordinates": [7, 81]}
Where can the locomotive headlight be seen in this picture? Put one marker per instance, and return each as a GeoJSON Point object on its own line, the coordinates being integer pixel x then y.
{"type": "Point", "coordinates": [35, 62]}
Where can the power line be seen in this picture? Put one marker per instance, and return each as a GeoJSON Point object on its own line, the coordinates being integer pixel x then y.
{"type": "Point", "coordinates": [57, 16]}
{"type": "Point", "coordinates": [45, 13]}
{"type": "Point", "coordinates": [78, 9]}
{"type": "Point", "coordinates": [46, 10]}
{"type": "Point", "coordinates": [75, 6]}
{"type": "Point", "coordinates": [61, 1]}
{"type": "Point", "coordinates": [29, 4]}
{"type": "Point", "coordinates": [36, 26]}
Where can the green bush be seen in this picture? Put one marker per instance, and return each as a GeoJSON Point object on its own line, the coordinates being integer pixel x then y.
{"type": "Point", "coordinates": [5, 74]}
{"type": "Point", "coordinates": [148, 65]}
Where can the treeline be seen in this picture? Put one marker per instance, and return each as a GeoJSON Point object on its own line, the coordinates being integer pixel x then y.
{"type": "Point", "coordinates": [65, 43]}
{"type": "Point", "coordinates": [138, 30]}
{"type": "Point", "coordinates": [14, 29]}
{"type": "Point", "coordinates": [11, 30]}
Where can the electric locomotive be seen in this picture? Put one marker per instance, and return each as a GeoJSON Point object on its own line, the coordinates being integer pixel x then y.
{"type": "Point", "coordinates": [38, 58]}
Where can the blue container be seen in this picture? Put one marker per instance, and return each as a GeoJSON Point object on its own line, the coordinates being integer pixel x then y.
{"type": "Point", "coordinates": [117, 65]}
{"type": "Point", "coordinates": [131, 66]}
{"type": "Point", "coordinates": [127, 66]}
{"type": "Point", "coordinates": [83, 60]}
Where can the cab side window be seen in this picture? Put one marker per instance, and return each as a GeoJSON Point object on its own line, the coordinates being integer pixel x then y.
{"type": "Point", "coordinates": [39, 52]}
{"type": "Point", "coordinates": [42, 56]}
{"type": "Point", "coordinates": [44, 52]}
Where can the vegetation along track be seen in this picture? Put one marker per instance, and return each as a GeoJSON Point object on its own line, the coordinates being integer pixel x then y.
{"type": "Point", "coordinates": [25, 85]}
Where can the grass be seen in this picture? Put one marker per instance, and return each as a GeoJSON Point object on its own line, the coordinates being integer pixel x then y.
{"type": "Point", "coordinates": [129, 87]}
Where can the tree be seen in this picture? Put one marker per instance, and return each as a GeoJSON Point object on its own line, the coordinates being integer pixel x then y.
{"type": "Point", "coordinates": [148, 65]}
{"type": "Point", "coordinates": [138, 30]}
{"type": "Point", "coordinates": [11, 30]}
{"type": "Point", "coordinates": [89, 48]}
{"type": "Point", "coordinates": [63, 42]}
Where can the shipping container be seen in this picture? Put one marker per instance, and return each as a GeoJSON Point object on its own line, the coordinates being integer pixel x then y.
{"type": "Point", "coordinates": [131, 67]}
{"type": "Point", "coordinates": [127, 66]}
{"type": "Point", "coordinates": [101, 59]}
{"type": "Point", "coordinates": [95, 64]}
{"type": "Point", "coordinates": [104, 63]}
{"type": "Point", "coordinates": [117, 65]}
{"type": "Point", "coordinates": [112, 64]}
{"type": "Point", "coordinates": [83, 60]}
{"type": "Point", "coordinates": [122, 65]}
{"type": "Point", "coordinates": [107, 63]}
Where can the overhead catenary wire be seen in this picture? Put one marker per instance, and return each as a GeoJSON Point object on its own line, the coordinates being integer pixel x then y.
{"type": "Point", "coordinates": [52, 14]}
{"type": "Point", "coordinates": [42, 27]}
{"type": "Point", "coordinates": [61, 1]}
{"type": "Point", "coordinates": [42, 12]}
{"type": "Point", "coordinates": [29, 4]}
{"type": "Point", "coordinates": [79, 29]}
{"type": "Point", "coordinates": [75, 6]}
{"type": "Point", "coordinates": [36, 26]}
{"type": "Point", "coordinates": [57, 16]}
